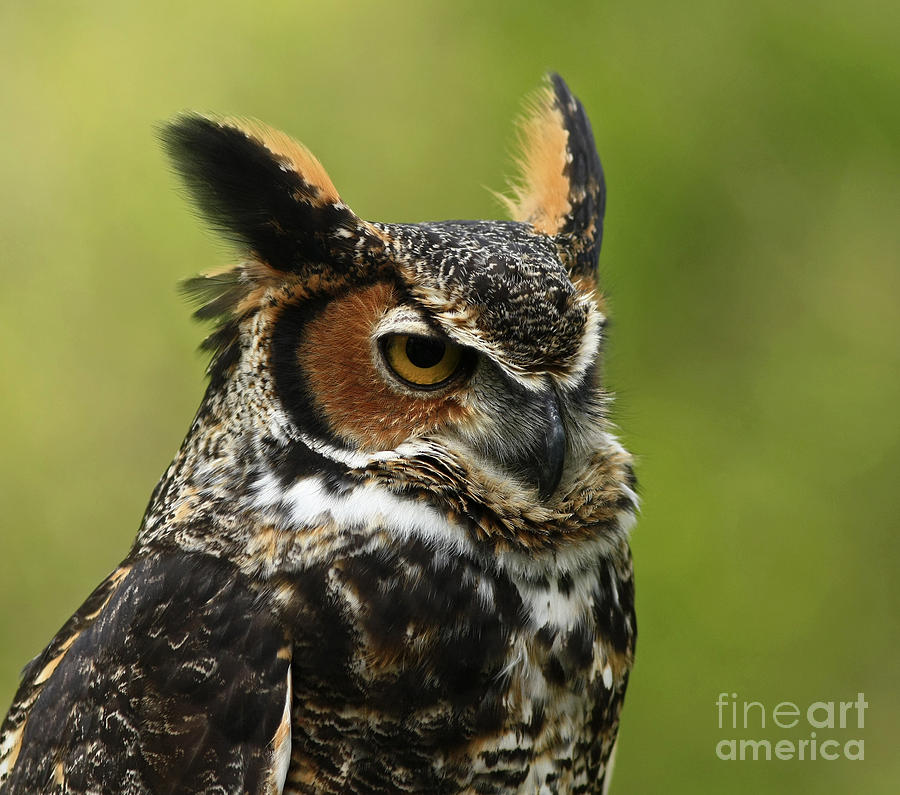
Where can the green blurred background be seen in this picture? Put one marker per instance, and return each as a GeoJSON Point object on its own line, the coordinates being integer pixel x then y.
{"type": "Point", "coordinates": [751, 257]}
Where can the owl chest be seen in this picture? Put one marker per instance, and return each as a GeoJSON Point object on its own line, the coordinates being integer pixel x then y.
{"type": "Point", "coordinates": [411, 666]}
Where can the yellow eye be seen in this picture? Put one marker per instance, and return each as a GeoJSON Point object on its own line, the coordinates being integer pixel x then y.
{"type": "Point", "coordinates": [422, 362]}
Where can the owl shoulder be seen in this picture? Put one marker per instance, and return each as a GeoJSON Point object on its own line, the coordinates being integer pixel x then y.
{"type": "Point", "coordinates": [169, 677]}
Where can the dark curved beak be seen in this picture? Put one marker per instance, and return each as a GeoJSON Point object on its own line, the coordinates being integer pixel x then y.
{"type": "Point", "coordinates": [541, 462]}
{"type": "Point", "coordinates": [535, 445]}
{"type": "Point", "coordinates": [552, 451]}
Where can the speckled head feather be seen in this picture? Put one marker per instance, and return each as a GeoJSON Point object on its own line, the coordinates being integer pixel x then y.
{"type": "Point", "coordinates": [499, 287]}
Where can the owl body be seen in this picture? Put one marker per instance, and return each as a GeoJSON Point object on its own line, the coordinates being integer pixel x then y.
{"type": "Point", "coordinates": [391, 554]}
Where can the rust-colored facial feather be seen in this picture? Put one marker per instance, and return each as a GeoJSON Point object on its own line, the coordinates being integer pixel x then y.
{"type": "Point", "coordinates": [359, 405]}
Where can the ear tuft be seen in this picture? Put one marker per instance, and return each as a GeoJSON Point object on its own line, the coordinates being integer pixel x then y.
{"type": "Point", "coordinates": [292, 154]}
{"type": "Point", "coordinates": [560, 190]}
{"type": "Point", "coordinates": [540, 195]}
{"type": "Point", "coordinates": [262, 190]}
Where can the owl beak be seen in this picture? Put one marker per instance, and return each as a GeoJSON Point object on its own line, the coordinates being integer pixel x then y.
{"type": "Point", "coordinates": [552, 449]}
{"type": "Point", "coordinates": [538, 458]}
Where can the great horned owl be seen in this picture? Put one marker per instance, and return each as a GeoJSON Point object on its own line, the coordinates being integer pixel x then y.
{"type": "Point", "coordinates": [391, 554]}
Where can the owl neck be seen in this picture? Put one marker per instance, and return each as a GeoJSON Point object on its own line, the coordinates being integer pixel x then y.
{"type": "Point", "coordinates": [205, 492]}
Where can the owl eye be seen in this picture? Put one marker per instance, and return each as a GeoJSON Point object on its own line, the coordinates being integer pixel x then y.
{"type": "Point", "coordinates": [422, 362]}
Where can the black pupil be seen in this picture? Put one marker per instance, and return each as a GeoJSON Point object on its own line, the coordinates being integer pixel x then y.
{"type": "Point", "coordinates": [423, 352]}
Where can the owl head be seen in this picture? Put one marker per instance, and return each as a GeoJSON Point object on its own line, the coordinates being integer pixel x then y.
{"type": "Point", "coordinates": [455, 361]}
